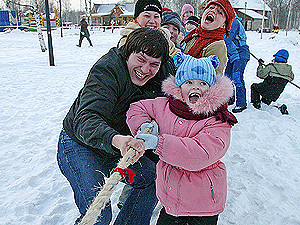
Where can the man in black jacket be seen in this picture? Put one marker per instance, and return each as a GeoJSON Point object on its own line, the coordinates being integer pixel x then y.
{"type": "Point", "coordinates": [95, 134]}
{"type": "Point", "coordinates": [84, 32]}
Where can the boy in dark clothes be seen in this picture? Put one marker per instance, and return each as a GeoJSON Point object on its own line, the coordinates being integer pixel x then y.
{"type": "Point", "coordinates": [276, 75]}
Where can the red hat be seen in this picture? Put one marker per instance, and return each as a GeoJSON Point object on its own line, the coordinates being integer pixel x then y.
{"type": "Point", "coordinates": [227, 7]}
{"type": "Point", "coordinates": [166, 9]}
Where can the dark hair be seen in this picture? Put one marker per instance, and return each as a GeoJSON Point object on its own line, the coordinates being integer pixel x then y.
{"type": "Point", "coordinates": [150, 41]}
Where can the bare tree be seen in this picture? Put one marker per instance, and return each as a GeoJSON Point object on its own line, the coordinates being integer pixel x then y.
{"type": "Point", "coordinates": [12, 4]}
{"type": "Point", "coordinates": [280, 10]}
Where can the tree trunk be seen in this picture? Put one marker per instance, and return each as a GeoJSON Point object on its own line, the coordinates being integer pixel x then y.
{"type": "Point", "coordinates": [287, 22]}
{"type": "Point", "coordinates": [38, 27]}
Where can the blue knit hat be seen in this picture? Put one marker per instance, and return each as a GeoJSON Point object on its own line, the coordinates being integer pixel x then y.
{"type": "Point", "coordinates": [281, 56]}
{"type": "Point", "coordinates": [191, 68]}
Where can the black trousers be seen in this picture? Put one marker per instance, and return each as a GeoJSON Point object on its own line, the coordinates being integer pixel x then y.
{"type": "Point", "coordinates": [167, 219]}
{"type": "Point", "coordinates": [267, 91]}
{"type": "Point", "coordinates": [84, 36]}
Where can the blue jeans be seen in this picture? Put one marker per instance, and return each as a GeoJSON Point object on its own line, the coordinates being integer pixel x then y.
{"type": "Point", "coordinates": [85, 170]}
{"type": "Point", "coordinates": [235, 71]}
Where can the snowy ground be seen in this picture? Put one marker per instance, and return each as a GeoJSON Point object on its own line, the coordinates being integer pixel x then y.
{"type": "Point", "coordinates": [263, 160]}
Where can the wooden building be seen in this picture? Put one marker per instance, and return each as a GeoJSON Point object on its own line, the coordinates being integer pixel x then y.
{"type": "Point", "coordinates": [108, 14]}
{"type": "Point", "coordinates": [251, 12]}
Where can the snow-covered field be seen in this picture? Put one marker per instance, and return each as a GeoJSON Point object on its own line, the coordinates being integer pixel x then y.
{"type": "Point", "coordinates": [263, 161]}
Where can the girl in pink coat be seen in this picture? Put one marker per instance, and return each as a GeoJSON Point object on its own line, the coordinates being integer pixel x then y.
{"type": "Point", "coordinates": [191, 134]}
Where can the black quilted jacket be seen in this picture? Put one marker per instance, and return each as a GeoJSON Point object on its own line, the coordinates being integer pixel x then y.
{"type": "Point", "coordinates": [99, 111]}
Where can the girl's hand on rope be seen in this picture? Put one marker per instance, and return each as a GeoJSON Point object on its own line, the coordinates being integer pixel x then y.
{"type": "Point", "coordinates": [124, 143]}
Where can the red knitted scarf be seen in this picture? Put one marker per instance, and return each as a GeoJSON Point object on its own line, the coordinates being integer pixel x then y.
{"type": "Point", "coordinates": [205, 38]}
{"type": "Point", "coordinates": [182, 110]}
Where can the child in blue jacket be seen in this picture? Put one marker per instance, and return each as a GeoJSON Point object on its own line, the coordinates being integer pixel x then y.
{"type": "Point", "coordinates": [238, 55]}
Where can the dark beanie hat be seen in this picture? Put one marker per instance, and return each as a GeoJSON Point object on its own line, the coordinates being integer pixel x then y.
{"type": "Point", "coordinates": [170, 17]}
{"type": "Point", "coordinates": [193, 20]}
{"type": "Point", "coordinates": [147, 5]}
{"type": "Point", "coordinates": [281, 56]}
{"type": "Point", "coordinates": [227, 7]}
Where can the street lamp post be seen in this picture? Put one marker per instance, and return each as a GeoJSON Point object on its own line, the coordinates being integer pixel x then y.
{"type": "Point", "coordinates": [50, 47]}
{"type": "Point", "coordinates": [263, 20]}
{"type": "Point", "coordinates": [60, 21]}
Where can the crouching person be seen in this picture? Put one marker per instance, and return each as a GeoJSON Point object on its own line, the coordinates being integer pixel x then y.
{"type": "Point", "coordinates": [276, 75]}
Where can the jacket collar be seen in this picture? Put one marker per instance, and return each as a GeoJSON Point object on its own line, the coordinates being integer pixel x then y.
{"type": "Point", "coordinates": [214, 98]}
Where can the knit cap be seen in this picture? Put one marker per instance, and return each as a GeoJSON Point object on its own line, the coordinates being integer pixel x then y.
{"type": "Point", "coordinates": [281, 56]}
{"type": "Point", "coordinates": [192, 68]}
{"type": "Point", "coordinates": [169, 17]}
{"type": "Point", "coordinates": [227, 7]}
{"type": "Point", "coordinates": [147, 5]}
{"type": "Point", "coordinates": [193, 20]}
{"type": "Point", "coordinates": [186, 8]}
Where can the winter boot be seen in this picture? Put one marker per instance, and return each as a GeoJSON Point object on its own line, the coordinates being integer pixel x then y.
{"type": "Point", "coordinates": [257, 105]}
{"type": "Point", "coordinates": [238, 109]}
{"type": "Point", "coordinates": [283, 109]}
{"type": "Point", "coordinates": [231, 100]}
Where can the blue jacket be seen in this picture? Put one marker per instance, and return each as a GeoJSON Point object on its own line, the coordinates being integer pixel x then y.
{"type": "Point", "coordinates": [236, 42]}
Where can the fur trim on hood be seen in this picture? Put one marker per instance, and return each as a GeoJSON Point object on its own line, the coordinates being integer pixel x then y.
{"type": "Point", "coordinates": [216, 96]}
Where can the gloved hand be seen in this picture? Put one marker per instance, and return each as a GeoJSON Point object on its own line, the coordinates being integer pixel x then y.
{"type": "Point", "coordinates": [150, 140]}
{"type": "Point", "coordinates": [152, 125]}
{"type": "Point", "coordinates": [261, 62]}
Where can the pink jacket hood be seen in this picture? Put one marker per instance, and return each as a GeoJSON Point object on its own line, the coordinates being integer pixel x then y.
{"type": "Point", "coordinates": [217, 95]}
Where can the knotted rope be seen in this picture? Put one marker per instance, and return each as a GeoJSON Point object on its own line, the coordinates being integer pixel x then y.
{"type": "Point", "coordinates": [103, 196]}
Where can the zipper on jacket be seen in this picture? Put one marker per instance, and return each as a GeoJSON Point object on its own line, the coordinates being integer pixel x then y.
{"type": "Point", "coordinates": [211, 188]}
{"type": "Point", "coordinates": [175, 125]}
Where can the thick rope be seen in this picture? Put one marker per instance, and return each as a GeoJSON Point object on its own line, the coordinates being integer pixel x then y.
{"type": "Point", "coordinates": [103, 196]}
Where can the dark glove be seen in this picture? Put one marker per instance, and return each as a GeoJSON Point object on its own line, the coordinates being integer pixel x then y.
{"type": "Point", "coordinates": [150, 140]}
{"type": "Point", "coordinates": [152, 125]}
{"type": "Point", "coordinates": [261, 62]}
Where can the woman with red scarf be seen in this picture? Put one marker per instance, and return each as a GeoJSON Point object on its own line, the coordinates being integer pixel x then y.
{"type": "Point", "coordinates": [208, 38]}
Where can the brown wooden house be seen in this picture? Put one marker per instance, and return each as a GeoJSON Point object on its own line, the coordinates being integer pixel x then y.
{"type": "Point", "coordinates": [108, 14]}
{"type": "Point", "coordinates": [251, 13]}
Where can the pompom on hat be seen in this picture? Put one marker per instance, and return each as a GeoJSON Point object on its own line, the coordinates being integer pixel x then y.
{"type": "Point", "coordinates": [147, 5]}
{"type": "Point", "coordinates": [281, 56]}
{"type": "Point", "coordinates": [228, 9]}
{"type": "Point", "coordinates": [192, 68]}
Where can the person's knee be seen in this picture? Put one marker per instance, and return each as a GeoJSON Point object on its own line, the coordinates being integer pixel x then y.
{"type": "Point", "coordinates": [254, 86]}
{"type": "Point", "coordinates": [236, 78]}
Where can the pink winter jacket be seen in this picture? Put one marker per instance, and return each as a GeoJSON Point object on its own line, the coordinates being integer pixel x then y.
{"type": "Point", "coordinates": [191, 179]}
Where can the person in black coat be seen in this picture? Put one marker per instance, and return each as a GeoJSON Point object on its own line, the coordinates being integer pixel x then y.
{"type": "Point", "coordinates": [95, 134]}
{"type": "Point", "coordinates": [84, 32]}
